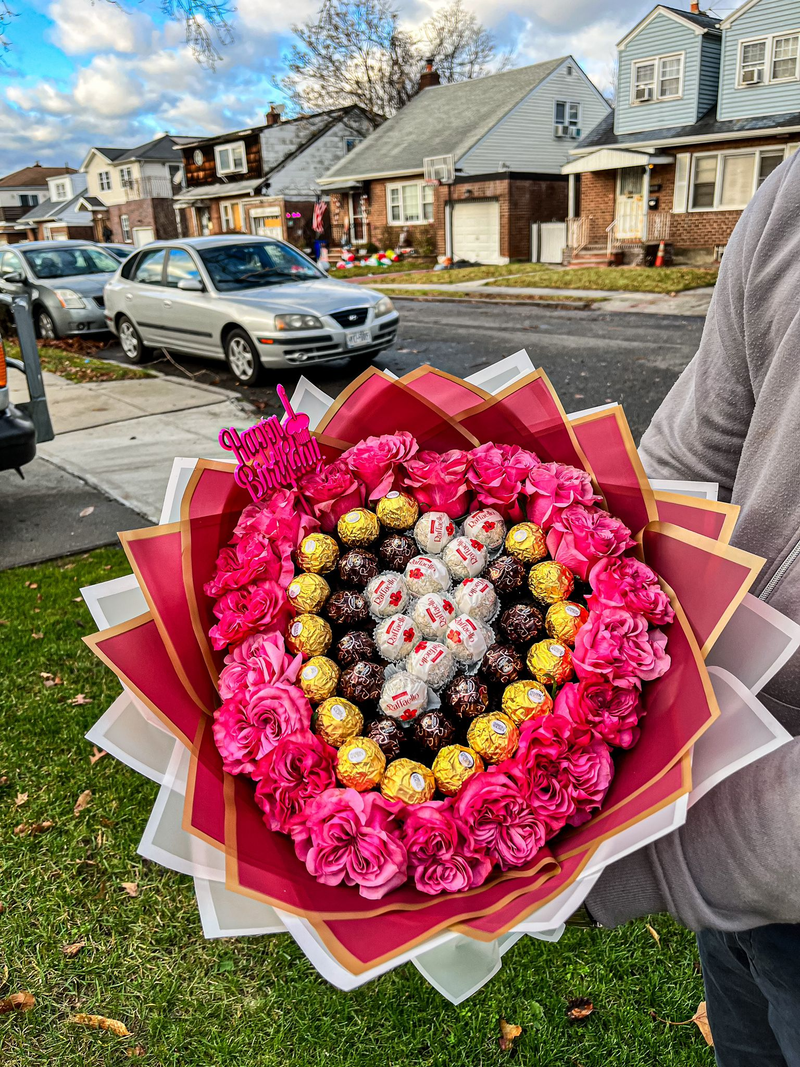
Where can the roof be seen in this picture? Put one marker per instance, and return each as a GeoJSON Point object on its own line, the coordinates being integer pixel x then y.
{"type": "Point", "coordinates": [699, 22]}
{"type": "Point", "coordinates": [61, 211]}
{"type": "Point", "coordinates": [110, 153]}
{"type": "Point", "coordinates": [160, 149]}
{"type": "Point", "coordinates": [697, 17]}
{"type": "Point", "coordinates": [94, 202]}
{"type": "Point", "coordinates": [439, 121]}
{"type": "Point", "coordinates": [210, 192]}
{"type": "Point", "coordinates": [36, 175]}
{"type": "Point", "coordinates": [330, 114]}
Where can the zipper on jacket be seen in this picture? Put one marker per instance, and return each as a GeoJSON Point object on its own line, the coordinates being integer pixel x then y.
{"type": "Point", "coordinates": [780, 573]}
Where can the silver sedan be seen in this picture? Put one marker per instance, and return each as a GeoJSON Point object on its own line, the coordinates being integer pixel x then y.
{"type": "Point", "coordinates": [259, 303]}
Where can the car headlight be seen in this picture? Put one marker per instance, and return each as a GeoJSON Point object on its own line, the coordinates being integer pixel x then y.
{"type": "Point", "coordinates": [383, 307]}
{"type": "Point", "coordinates": [297, 322]}
{"type": "Point", "coordinates": [69, 299]}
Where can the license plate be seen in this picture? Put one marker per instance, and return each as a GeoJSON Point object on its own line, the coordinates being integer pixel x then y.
{"type": "Point", "coordinates": [356, 338]}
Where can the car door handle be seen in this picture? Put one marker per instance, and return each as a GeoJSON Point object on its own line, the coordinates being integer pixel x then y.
{"type": "Point", "coordinates": [167, 303]}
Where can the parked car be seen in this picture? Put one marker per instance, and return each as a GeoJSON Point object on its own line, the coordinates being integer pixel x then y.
{"type": "Point", "coordinates": [65, 280]}
{"type": "Point", "coordinates": [256, 302]}
{"type": "Point", "coordinates": [17, 435]}
{"type": "Point", "coordinates": [120, 251]}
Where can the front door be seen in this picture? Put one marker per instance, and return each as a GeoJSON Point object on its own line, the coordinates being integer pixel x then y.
{"type": "Point", "coordinates": [630, 202]}
{"type": "Point", "coordinates": [359, 226]}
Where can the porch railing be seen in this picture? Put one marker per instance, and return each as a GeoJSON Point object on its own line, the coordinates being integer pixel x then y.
{"type": "Point", "coordinates": [149, 188]}
{"type": "Point", "coordinates": [654, 226]}
{"type": "Point", "coordinates": [577, 233]}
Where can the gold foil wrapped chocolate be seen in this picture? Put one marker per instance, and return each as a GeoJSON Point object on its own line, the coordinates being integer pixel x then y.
{"type": "Point", "coordinates": [308, 592]}
{"type": "Point", "coordinates": [550, 662]}
{"type": "Point", "coordinates": [406, 780]}
{"type": "Point", "coordinates": [397, 511]}
{"type": "Point", "coordinates": [526, 699]}
{"type": "Point", "coordinates": [360, 764]}
{"type": "Point", "coordinates": [453, 765]}
{"type": "Point", "coordinates": [318, 678]}
{"type": "Point", "coordinates": [317, 553]}
{"type": "Point", "coordinates": [358, 527]}
{"type": "Point", "coordinates": [493, 736]}
{"type": "Point", "coordinates": [550, 581]}
{"type": "Point", "coordinates": [564, 619]}
{"type": "Point", "coordinates": [337, 720]}
{"type": "Point", "coordinates": [527, 542]}
{"type": "Point", "coordinates": [309, 634]}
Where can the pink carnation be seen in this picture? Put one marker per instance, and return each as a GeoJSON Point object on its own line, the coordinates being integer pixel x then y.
{"type": "Point", "coordinates": [626, 583]}
{"type": "Point", "coordinates": [282, 516]}
{"type": "Point", "coordinates": [258, 660]}
{"type": "Point", "coordinates": [603, 708]}
{"type": "Point", "coordinates": [501, 821]}
{"type": "Point", "coordinates": [439, 855]}
{"type": "Point", "coordinates": [350, 837]}
{"type": "Point", "coordinates": [332, 491]}
{"type": "Point", "coordinates": [375, 461]}
{"type": "Point", "coordinates": [619, 646]}
{"type": "Point", "coordinates": [553, 487]}
{"type": "Point", "coordinates": [544, 744]}
{"type": "Point", "coordinates": [439, 481]}
{"type": "Point", "coordinates": [580, 536]}
{"type": "Point", "coordinates": [245, 731]}
{"type": "Point", "coordinates": [297, 769]}
{"type": "Point", "coordinates": [244, 611]}
{"type": "Point", "coordinates": [498, 474]}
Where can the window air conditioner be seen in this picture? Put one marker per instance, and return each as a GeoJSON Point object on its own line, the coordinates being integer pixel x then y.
{"type": "Point", "coordinates": [575, 132]}
{"type": "Point", "coordinates": [645, 92]}
{"type": "Point", "coordinates": [753, 76]}
{"type": "Point", "coordinates": [558, 131]}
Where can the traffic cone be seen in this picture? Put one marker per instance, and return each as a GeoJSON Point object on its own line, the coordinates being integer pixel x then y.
{"type": "Point", "coordinates": [660, 255]}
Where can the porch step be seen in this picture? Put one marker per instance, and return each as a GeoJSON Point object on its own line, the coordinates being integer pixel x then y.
{"type": "Point", "coordinates": [586, 258]}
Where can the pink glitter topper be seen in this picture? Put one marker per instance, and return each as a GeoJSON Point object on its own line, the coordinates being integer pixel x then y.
{"type": "Point", "coordinates": [272, 454]}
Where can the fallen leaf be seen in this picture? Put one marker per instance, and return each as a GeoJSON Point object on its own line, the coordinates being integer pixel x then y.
{"type": "Point", "coordinates": [77, 599]}
{"type": "Point", "coordinates": [17, 1002]}
{"type": "Point", "coordinates": [32, 585]}
{"type": "Point", "coordinates": [131, 888]}
{"type": "Point", "coordinates": [700, 1019]}
{"type": "Point", "coordinates": [20, 800]}
{"type": "Point", "coordinates": [85, 513]}
{"type": "Point", "coordinates": [508, 1035]}
{"type": "Point", "coordinates": [97, 753]}
{"type": "Point", "coordinates": [4, 622]}
{"type": "Point", "coordinates": [4, 780]}
{"type": "Point", "coordinates": [100, 1022]}
{"type": "Point", "coordinates": [579, 1009]}
{"type": "Point", "coordinates": [28, 829]}
{"type": "Point", "coordinates": [37, 637]}
{"type": "Point", "coordinates": [138, 1050]}
{"type": "Point", "coordinates": [71, 951]}
{"type": "Point", "coordinates": [82, 802]}
{"type": "Point", "coordinates": [654, 934]}
{"type": "Point", "coordinates": [49, 679]}
{"type": "Point", "coordinates": [80, 699]}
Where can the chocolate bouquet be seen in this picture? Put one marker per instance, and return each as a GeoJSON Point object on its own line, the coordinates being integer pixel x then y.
{"type": "Point", "coordinates": [410, 682]}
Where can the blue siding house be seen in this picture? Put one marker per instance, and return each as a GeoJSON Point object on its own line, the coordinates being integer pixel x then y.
{"type": "Point", "coordinates": [706, 110]}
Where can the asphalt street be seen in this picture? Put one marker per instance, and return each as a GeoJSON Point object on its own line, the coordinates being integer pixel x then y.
{"type": "Point", "coordinates": [590, 357]}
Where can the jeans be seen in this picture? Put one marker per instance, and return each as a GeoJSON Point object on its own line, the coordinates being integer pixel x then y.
{"type": "Point", "coordinates": [752, 982]}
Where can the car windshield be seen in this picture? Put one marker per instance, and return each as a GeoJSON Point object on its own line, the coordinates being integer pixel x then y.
{"type": "Point", "coordinates": [67, 262]}
{"type": "Point", "coordinates": [240, 266]}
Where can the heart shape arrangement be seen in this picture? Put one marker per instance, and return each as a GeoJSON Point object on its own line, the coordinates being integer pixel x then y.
{"type": "Point", "coordinates": [370, 872]}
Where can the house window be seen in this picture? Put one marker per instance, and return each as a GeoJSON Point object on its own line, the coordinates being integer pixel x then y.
{"type": "Point", "coordinates": [726, 181]}
{"type": "Point", "coordinates": [659, 78]}
{"type": "Point", "coordinates": [567, 113]}
{"type": "Point", "coordinates": [769, 59]}
{"type": "Point", "coordinates": [226, 213]}
{"type": "Point", "coordinates": [784, 58]}
{"type": "Point", "coordinates": [126, 177]}
{"type": "Point", "coordinates": [230, 158]}
{"type": "Point", "coordinates": [351, 142]}
{"type": "Point", "coordinates": [104, 180]}
{"type": "Point", "coordinates": [410, 202]}
{"type": "Point", "coordinates": [705, 181]}
{"type": "Point", "coordinates": [28, 199]}
{"type": "Point", "coordinates": [737, 180]}
{"type": "Point", "coordinates": [669, 77]}
{"type": "Point", "coordinates": [60, 191]}
{"type": "Point", "coordinates": [644, 82]}
{"type": "Point", "coordinates": [125, 226]}
{"type": "Point", "coordinates": [770, 161]}
{"type": "Point", "coordinates": [753, 63]}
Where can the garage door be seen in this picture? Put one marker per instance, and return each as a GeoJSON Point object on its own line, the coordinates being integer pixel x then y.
{"type": "Point", "coordinates": [142, 235]}
{"type": "Point", "coordinates": [476, 232]}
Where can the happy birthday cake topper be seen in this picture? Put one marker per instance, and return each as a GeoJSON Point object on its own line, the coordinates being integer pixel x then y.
{"type": "Point", "coordinates": [272, 454]}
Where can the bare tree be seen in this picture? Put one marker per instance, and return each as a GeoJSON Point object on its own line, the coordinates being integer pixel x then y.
{"type": "Point", "coordinates": [206, 23]}
{"type": "Point", "coordinates": [461, 48]}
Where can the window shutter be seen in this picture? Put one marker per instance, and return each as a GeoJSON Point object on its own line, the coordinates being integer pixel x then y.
{"type": "Point", "coordinates": [681, 193]}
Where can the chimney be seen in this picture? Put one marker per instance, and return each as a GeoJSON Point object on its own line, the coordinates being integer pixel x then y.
{"type": "Point", "coordinates": [429, 76]}
{"type": "Point", "coordinates": [694, 7]}
{"type": "Point", "coordinates": [273, 116]}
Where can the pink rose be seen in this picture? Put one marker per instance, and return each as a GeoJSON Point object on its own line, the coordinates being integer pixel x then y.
{"type": "Point", "coordinates": [618, 645]}
{"type": "Point", "coordinates": [498, 474]}
{"type": "Point", "coordinates": [258, 660]}
{"type": "Point", "coordinates": [350, 837]}
{"type": "Point", "coordinates": [553, 487]}
{"type": "Point", "coordinates": [439, 854]}
{"type": "Point", "coordinates": [626, 583]}
{"type": "Point", "coordinates": [544, 743]}
{"type": "Point", "coordinates": [587, 770]}
{"type": "Point", "coordinates": [246, 731]}
{"type": "Point", "coordinates": [375, 461]}
{"type": "Point", "coordinates": [253, 557]}
{"type": "Point", "coordinates": [501, 821]}
{"type": "Point", "coordinates": [282, 516]}
{"type": "Point", "coordinates": [297, 769]}
{"type": "Point", "coordinates": [603, 708]}
{"type": "Point", "coordinates": [580, 536]}
{"type": "Point", "coordinates": [440, 481]}
{"type": "Point", "coordinates": [332, 491]}
{"type": "Point", "coordinates": [243, 611]}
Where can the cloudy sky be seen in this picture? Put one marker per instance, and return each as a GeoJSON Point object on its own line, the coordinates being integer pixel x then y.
{"type": "Point", "coordinates": [84, 72]}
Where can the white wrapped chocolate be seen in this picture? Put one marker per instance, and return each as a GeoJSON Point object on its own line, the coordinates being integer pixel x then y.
{"type": "Point", "coordinates": [432, 614]}
{"type": "Point", "coordinates": [477, 597]}
{"type": "Point", "coordinates": [386, 594]}
{"type": "Point", "coordinates": [433, 530]}
{"type": "Point", "coordinates": [403, 696]}
{"type": "Point", "coordinates": [395, 637]}
{"type": "Point", "coordinates": [467, 639]}
{"type": "Point", "coordinates": [465, 557]}
{"type": "Point", "coordinates": [431, 662]}
{"type": "Point", "coordinates": [486, 526]}
{"type": "Point", "coordinates": [426, 574]}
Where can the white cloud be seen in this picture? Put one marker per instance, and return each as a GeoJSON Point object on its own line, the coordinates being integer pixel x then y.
{"type": "Point", "coordinates": [82, 27]}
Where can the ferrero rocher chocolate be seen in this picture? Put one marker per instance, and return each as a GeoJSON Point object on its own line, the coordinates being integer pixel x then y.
{"type": "Point", "coordinates": [310, 635]}
{"type": "Point", "coordinates": [432, 730]}
{"type": "Point", "coordinates": [411, 782]}
{"type": "Point", "coordinates": [525, 700]}
{"type": "Point", "coordinates": [526, 541]}
{"type": "Point", "coordinates": [467, 696]}
{"type": "Point", "coordinates": [358, 527]}
{"type": "Point", "coordinates": [318, 678]}
{"type": "Point", "coordinates": [317, 553]}
{"type": "Point", "coordinates": [550, 581]}
{"type": "Point", "coordinates": [357, 567]}
{"type": "Point", "coordinates": [354, 646]}
{"type": "Point", "coordinates": [337, 720]}
{"type": "Point", "coordinates": [564, 619]}
{"type": "Point", "coordinates": [360, 764]}
{"type": "Point", "coordinates": [506, 573]}
{"type": "Point", "coordinates": [453, 766]}
{"type": "Point", "coordinates": [550, 662]}
{"type": "Point", "coordinates": [521, 623]}
{"type": "Point", "coordinates": [362, 683]}
{"type": "Point", "coordinates": [307, 592]}
{"type": "Point", "coordinates": [388, 735]}
{"type": "Point", "coordinates": [501, 664]}
{"type": "Point", "coordinates": [493, 736]}
{"type": "Point", "coordinates": [397, 550]}
{"type": "Point", "coordinates": [347, 607]}
{"type": "Point", "coordinates": [397, 511]}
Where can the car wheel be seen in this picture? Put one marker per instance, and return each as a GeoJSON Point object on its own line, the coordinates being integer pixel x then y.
{"type": "Point", "coordinates": [45, 325]}
{"type": "Point", "coordinates": [242, 357]}
{"type": "Point", "coordinates": [132, 347]}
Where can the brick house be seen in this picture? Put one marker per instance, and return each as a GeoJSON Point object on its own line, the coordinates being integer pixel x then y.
{"type": "Point", "coordinates": [62, 215]}
{"type": "Point", "coordinates": [19, 193]}
{"type": "Point", "coordinates": [263, 180]}
{"type": "Point", "coordinates": [469, 165]}
{"type": "Point", "coordinates": [706, 110]}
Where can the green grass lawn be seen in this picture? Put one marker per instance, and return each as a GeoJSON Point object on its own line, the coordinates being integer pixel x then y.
{"type": "Point", "coordinates": [536, 275]}
{"type": "Point", "coordinates": [253, 1002]}
{"type": "Point", "coordinates": [414, 263]}
{"type": "Point", "coordinates": [79, 368]}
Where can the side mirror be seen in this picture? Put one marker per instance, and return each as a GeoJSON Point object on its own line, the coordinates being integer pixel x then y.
{"type": "Point", "coordinates": [191, 285]}
{"type": "Point", "coordinates": [15, 277]}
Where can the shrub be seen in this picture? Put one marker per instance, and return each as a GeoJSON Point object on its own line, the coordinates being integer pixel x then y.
{"type": "Point", "coordinates": [424, 239]}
